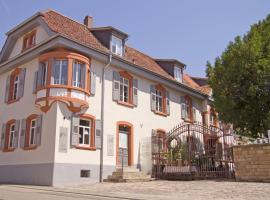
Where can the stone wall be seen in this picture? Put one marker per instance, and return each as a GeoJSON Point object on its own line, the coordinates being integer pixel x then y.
{"type": "Point", "coordinates": [252, 162]}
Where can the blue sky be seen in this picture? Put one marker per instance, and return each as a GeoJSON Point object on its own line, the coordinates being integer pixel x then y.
{"type": "Point", "coordinates": [188, 30]}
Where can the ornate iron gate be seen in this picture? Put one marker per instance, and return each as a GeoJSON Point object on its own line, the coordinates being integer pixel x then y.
{"type": "Point", "coordinates": [193, 151]}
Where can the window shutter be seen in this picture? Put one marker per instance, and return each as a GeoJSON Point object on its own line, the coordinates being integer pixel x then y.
{"type": "Point", "coordinates": [93, 83]}
{"type": "Point", "coordinates": [98, 134]}
{"type": "Point", "coordinates": [135, 92]}
{"type": "Point", "coordinates": [21, 83]}
{"type": "Point", "coordinates": [38, 130]}
{"type": "Point", "coordinates": [75, 131]}
{"type": "Point", "coordinates": [3, 136]}
{"type": "Point", "coordinates": [116, 86]}
{"type": "Point", "coordinates": [153, 97]}
{"type": "Point", "coordinates": [22, 137]}
{"type": "Point", "coordinates": [183, 107]}
{"type": "Point", "coordinates": [168, 102]}
{"type": "Point", "coordinates": [154, 141]}
{"type": "Point", "coordinates": [7, 89]}
{"type": "Point", "coordinates": [16, 133]}
{"type": "Point", "coordinates": [35, 81]}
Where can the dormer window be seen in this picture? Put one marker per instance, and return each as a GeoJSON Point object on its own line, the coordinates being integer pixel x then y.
{"type": "Point", "coordinates": [29, 40]}
{"type": "Point", "coordinates": [117, 46]}
{"type": "Point", "coordinates": [178, 74]}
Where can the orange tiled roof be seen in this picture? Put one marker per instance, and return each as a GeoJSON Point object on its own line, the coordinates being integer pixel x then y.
{"type": "Point", "coordinates": [80, 33]}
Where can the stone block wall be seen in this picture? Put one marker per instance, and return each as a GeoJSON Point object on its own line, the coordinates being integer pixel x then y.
{"type": "Point", "coordinates": [252, 162]}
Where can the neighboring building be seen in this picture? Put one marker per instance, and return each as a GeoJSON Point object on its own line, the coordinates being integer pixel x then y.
{"type": "Point", "coordinates": [69, 89]}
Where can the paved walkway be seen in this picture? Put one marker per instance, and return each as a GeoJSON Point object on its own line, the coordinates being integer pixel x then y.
{"type": "Point", "coordinates": [194, 190]}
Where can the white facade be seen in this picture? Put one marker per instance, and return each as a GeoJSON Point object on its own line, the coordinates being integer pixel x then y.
{"type": "Point", "coordinates": [55, 161]}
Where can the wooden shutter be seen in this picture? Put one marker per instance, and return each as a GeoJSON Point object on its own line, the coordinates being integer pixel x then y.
{"type": "Point", "coordinates": [93, 83]}
{"type": "Point", "coordinates": [154, 142]}
{"type": "Point", "coordinates": [135, 92]}
{"type": "Point", "coordinates": [38, 130]}
{"type": "Point", "coordinates": [7, 89]}
{"type": "Point", "coordinates": [35, 84]}
{"type": "Point", "coordinates": [167, 102]}
{"type": "Point", "coordinates": [75, 131]}
{"type": "Point", "coordinates": [98, 134]}
{"type": "Point", "coordinates": [153, 97]}
{"type": "Point", "coordinates": [3, 136]}
{"type": "Point", "coordinates": [116, 86]}
{"type": "Point", "coordinates": [21, 83]}
{"type": "Point", "coordinates": [183, 107]}
{"type": "Point", "coordinates": [16, 134]}
{"type": "Point", "coordinates": [22, 136]}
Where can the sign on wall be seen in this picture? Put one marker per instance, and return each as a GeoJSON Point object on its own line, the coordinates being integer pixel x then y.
{"type": "Point", "coordinates": [110, 145]}
{"type": "Point", "coordinates": [63, 140]}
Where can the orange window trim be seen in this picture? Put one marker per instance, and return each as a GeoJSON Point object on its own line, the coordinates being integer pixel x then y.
{"type": "Point", "coordinates": [92, 133]}
{"type": "Point", "coordinates": [162, 133]}
{"type": "Point", "coordinates": [28, 39]}
{"type": "Point", "coordinates": [126, 75]}
{"type": "Point", "coordinates": [27, 133]}
{"type": "Point", "coordinates": [7, 136]}
{"type": "Point", "coordinates": [15, 73]}
{"type": "Point", "coordinates": [164, 103]}
{"type": "Point", "coordinates": [130, 140]}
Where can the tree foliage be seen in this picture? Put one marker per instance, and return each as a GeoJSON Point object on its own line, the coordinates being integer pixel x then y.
{"type": "Point", "coordinates": [240, 79]}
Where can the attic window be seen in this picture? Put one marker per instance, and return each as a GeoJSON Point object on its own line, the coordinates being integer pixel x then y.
{"type": "Point", "coordinates": [29, 40]}
{"type": "Point", "coordinates": [117, 46]}
{"type": "Point", "coordinates": [178, 74]}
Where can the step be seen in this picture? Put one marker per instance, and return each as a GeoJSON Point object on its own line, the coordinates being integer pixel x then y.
{"type": "Point", "coordinates": [127, 169]}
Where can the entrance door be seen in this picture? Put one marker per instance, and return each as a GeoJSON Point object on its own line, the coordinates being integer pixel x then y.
{"type": "Point", "coordinates": [123, 147]}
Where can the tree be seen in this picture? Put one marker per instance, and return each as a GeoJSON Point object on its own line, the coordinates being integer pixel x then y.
{"type": "Point", "coordinates": [240, 79]}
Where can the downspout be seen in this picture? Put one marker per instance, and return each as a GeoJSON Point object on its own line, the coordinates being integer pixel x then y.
{"type": "Point", "coordinates": [102, 117]}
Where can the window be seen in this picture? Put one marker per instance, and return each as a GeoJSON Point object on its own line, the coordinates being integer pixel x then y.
{"type": "Point", "coordinates": [60, 71]}
{"type": "Point", "coordinates": [85, 132]}
{"type": "Point", "coordinates": [213, 118]}
{"type": "Point", "coordinates": [29, 40]}
{"type": "Point", "coordinates": [43, 73]}
{"type": "Point", "coordinates": [124, 89]}
{"type": "Point", "coordinates": [117, 46]}
{"type": "Point", "coordinates": [186, 108]}
{"type": "Point", "coordinates": [15, 88]}
{"type": "Point", "coordinates": [11, 136]}
{"type": "Point", "coordinates": [159, 98]}
{"type": "Point", "coordinates": [33, 125]}
{"type": "Point", "coordinates": [78, 74]}
{"type": "Point", "coordinates": [178, 74]}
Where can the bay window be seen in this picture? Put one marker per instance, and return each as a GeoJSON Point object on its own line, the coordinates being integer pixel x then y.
{"type": "Point", "coordinates": [60, 71]}
{"type": "Point", "coordinates": [78, 74]}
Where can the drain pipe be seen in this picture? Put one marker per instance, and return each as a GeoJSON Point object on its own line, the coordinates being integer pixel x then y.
{"type": "Point", "coordinates": [102, 117]}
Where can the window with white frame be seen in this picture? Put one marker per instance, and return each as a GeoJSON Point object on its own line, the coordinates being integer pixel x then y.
{"type": "Point", "coordinates": [186, 107]}
{"type": "Point", "coordinates": [178, 74]}
{"type": "Point", "coordinates": [11, 135]}
{"type": "Point", "coordinates": [60, 72]}
{"type": "Point", "coordinates": [159, 105]}
{"type": "Point", "coordinates": [15, 87]}
{"type": "Point", "coordinates": [33, 125]}
{"type": "Point", "coordinates": [85, 132]}
{"type": "Point", "coordinates": [77, 74]}
{"type": "Point", "coordinates": [117, 46]}
{"type": "Point", "coordinates": [124, 89]}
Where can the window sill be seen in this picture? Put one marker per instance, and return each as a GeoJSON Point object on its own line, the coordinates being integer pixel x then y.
{"type": "Point", "coordinates": [49, 86]}
{"type": "Point", "coordinates": [86, 148]}
{"type": "Point", "coordinates": [30, 148]}
{"type": "Point", "coordinates": [8, 149]}
{"type": "Point", "coordinates": [160, 113]}
{"type": "Point", "coordinates": [125, 104]}
{"type": "Point", "coordinates": [13, 101]}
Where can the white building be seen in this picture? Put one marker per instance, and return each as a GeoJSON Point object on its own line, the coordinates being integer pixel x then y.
{"type": "Point", "coordinates": [73, 95]}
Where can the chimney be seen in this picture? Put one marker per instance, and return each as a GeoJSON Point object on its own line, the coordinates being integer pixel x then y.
{"type": "Point", "coordinates": [88, 21]}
